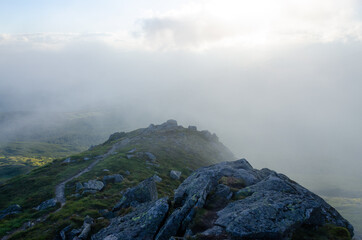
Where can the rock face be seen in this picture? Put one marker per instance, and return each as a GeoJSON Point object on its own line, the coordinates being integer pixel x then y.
{"type": "Point", "coordinates": [229, 200]}
{"type": "Point", "coordinates": [265, 205]}
{"type": "Point", "coordinates": [144, 192]}
{"type": "Point", "coordinates": [141, 224]}
{"type": "Point", "coordinates": [47, 204]}
{"type": "Point", "coordinates": [12, 209]}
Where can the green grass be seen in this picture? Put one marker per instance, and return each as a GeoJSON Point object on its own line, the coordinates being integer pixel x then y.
{"type": "Point", "coordinates": [190, 153]}
{"type": "Point", "coordinates": [326, 232]}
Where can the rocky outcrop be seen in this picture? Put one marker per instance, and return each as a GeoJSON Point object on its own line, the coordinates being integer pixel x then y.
{"type": "Point", "coordinates": [77, 234]}
{"type": "Point", "coordinates": [141, 224]}
{"type": "Point", "coordinates": [231, 200]}
{"type": "Point", "coordinates": [47, 204]}
{"type": "Point", "coordinates": [144, 192]}
{"type": "Point", "coordinates": [12, 209]}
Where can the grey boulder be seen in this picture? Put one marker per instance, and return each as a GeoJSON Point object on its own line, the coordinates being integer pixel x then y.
{"type": "Point", "coordinates": [115, 178]}
{"type": "Point", "coordinates": [141, 224]}
{"type": "Point", "coordinates": [146, 191]}
{"type": "Point", "coordinates": [93, 185]}
{"type": "Point", "coordinates": [47, 204]}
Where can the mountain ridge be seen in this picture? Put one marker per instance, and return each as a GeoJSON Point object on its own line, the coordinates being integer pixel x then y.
{"type": "Point", "coordinates": [123, 162]}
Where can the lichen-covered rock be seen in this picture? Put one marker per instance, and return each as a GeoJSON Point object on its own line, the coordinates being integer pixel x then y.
{"type": "Point", "coordinates": [265, 205]}
{"type": "Point", "coordinates": [115, 178]}
{"type": "Point", "coordinates": [175, 174]}
{"type": "Point", "coordinates": [141, 224]}
{"type": "Point", "coordinates": [93, 185]}
{"type": "Point", "coordinates": [12, 209]}
{"type": "Point", "coordinates": [47, 204]}
{"type": "Point", "coordinates": [146, 191]}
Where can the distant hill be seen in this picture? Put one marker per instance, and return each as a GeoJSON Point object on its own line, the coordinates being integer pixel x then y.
{"type": "Point", "coordinates": [32, 139]}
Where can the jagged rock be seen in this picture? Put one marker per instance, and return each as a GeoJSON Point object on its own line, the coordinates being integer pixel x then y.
{"type": "Point", "coordinates": [175, 174]}
{"type": "Point", "coordinates": [12, 209]}
{"type": "Point", "coordinates": [86, 228]}
{"type": "Point", "coordinates": [140, 224]}
{"type": "Point", "coordinates": [266, 205]}
{"type": "Point", "coordinates": [47, 204]}
{"type": "Point", "coordinates": [93, 185]}
{"type": "Point", "coordinates": [146, 191]}
{"type": "Point", "coordinates": [73, 234]}
{"type": "Point", "coordinates": [116, 178]}
{"type": "Point", "coordinates": [156, 178]}
{"type": "Point", "coordinates": [64, 232]}
{"type": "Point", "coordinates": [192, 128]}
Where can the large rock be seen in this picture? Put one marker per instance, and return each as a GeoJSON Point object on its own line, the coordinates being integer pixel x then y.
{"type": "Point", "coordinates": [86, 228]}
{"type": "Point", "coordinates": [146, 191]}
{"type": "Point", "coordinates": [265, 205]}
{"type": "Point", "coordinates": [47, 204]}
{"type": "Point", "coordinates": [115, 178]}
{"type": "Point", "coordinates": [141, 224]}
{"type": "Point", "coordinates": [275, 208]}
{"type": "Point", "coordinates": [12, 209]}
{"type": "Point", "coordinates": [93, 185]}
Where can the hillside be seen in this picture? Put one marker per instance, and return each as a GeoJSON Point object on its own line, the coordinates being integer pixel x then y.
{"type": "Point", "coordinates": [154, 183]}
{"type": "Point", "coordinates": [174, 148]}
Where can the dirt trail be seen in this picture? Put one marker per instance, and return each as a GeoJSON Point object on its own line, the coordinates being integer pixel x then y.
{"type": "Point", "coordinates": [59, 189]}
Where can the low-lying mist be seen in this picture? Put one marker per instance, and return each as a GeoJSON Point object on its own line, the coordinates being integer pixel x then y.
{"type": "Point", "coordinates": [297, 111]}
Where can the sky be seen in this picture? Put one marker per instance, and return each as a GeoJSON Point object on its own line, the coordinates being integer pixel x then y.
{"type": "Point", "coordinates": [278, 81]}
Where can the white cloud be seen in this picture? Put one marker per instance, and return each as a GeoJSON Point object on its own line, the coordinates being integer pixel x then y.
{"type": "Point", "coordinates": [204, 24]}
{"type": "Point", "coordinates": [201, 24]}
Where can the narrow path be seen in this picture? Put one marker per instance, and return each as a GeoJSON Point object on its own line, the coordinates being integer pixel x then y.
{"type": "Point", "coordinates": [59, 189]}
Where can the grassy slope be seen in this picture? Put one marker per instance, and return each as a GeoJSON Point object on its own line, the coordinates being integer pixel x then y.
{"type": "Point", "coordinates": [182, 150]}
